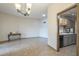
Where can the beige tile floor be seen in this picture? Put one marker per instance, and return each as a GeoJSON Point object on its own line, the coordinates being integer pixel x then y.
{"type": "Point", "coordinates": [33, 47]}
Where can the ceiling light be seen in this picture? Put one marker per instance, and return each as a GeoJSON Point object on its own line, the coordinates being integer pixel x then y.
{"type": "Point", "coordinates": [18, 6]}
{"type": "Point", "coordinates": [26, 10]}
{"type": "Point", "coordinates": [43, 15]}
{"type": "Point", "coordinates": [29, 6]}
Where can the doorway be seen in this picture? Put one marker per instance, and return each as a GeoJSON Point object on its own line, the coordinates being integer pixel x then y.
{"type": "Point", "coordinates": [67, 28]}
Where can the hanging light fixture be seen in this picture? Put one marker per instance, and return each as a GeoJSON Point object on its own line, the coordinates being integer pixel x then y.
{"type": "Point", "coordinates": [24, 8]}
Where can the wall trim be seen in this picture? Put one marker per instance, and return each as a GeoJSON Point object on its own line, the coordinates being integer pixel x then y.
{"type": "Point", "coordinates": [52, 48]}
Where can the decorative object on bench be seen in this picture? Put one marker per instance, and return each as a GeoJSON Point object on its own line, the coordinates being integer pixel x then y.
{"type": "Point", "coordinates": [14, 35]}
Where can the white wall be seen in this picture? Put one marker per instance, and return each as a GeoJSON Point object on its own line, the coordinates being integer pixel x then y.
{"type": "Point", "coordinates": [44, 28]}
{"type": "Point", "coordinates": [10, 23]}
{"type": "Point", "coordinates": [53, 9]}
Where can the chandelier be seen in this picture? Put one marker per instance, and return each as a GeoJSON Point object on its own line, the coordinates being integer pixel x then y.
{"type": "Point", "coordinates": [23, 8]}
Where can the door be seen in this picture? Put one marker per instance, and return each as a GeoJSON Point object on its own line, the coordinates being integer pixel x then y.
{"type": "Point", "coordinates": [77, 29]}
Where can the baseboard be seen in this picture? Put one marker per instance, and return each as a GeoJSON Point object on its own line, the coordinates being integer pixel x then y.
{"type": "Point", "coordinates": [29, 37]}
{"type": "Point", "coordinates": [33, 37]}
{"type": "Point", "coordinates": [17, 39]}
{"type": "Point", "coordinates": [3, 41]}
{"type": "Point", "coordinates": [43, 37]}
{"type": "Point", "coordinates": [52, 48]}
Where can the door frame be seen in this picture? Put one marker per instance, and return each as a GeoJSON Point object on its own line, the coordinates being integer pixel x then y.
{"type": "Point", "coordinates": [58, 41]}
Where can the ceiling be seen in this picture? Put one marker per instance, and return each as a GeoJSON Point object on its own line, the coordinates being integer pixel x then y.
{"type": "Point", "coordinates": [38, 9]}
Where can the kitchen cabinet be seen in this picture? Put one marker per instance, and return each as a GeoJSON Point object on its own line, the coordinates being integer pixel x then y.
{"type": "Point", "coordinates": [68, 39]}
{"type": "Point", "coordinates": [61, 41]}
{"type": "Point", "coordinates": [65, 40]}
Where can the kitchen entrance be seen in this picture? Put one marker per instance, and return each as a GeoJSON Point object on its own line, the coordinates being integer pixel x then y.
{"type": "Point", "coordinates": [67, 28]}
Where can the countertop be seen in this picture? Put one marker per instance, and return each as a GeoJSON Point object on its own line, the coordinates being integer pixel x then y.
{"type": "Point", "coordinates": [66, 33]}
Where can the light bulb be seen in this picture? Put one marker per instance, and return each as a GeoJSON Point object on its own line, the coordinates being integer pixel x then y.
{"type": "Point", "coordinates": [29, 12]}
{"type": "Point", "coordinates": [29, 5]}
{"type": "Point", "coordinates": [43, 15]}
{"type": "Point", "coordinates": [18, 6]}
